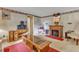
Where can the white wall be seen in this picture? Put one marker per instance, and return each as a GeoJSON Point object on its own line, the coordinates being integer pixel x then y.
{"type": "Point", "coordinates": [12, 23]}
{"type": "Point", "coordinates": [41, 22]}
{"type": "Point", "coordinates": [48, 20]}
{"type": "Point", "coordinates": [15, 20]}
{"type": "Point", "coordinates": [37, 25]}
{"type": "Point", "coordinates": [3, 31]}
{"type": "Point", "coordinates": [73, 18]}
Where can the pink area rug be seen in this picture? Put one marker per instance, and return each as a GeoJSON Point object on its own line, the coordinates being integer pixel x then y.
{"type": "Point", "coordinates": [57, 38]}
{"type": "Point", "coordinates": [19, 47]}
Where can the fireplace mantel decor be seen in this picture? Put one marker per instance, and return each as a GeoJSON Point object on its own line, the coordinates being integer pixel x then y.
{"type": "Point", "coordinates": [56, 30]}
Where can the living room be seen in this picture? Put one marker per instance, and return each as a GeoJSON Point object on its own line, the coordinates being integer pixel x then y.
{"type": "Point", "coordinates": [53, 29]}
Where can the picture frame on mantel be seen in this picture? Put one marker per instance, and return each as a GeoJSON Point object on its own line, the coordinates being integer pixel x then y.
{"type": "Point", "coordinates": [6, 15]}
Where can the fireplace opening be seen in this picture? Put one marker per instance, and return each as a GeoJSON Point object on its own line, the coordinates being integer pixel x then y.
{"type": "Point", "coordinates": [55, 33]}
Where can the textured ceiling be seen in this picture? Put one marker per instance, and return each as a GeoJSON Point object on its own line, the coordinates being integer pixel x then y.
{"type": "Point", "coordinates": [43, 11]}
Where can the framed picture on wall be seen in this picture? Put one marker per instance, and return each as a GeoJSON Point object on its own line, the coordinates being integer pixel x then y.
{"type": "Point", "coordinates": [22, 25]}
{"type": "Point", "coordinates": [5, 15]}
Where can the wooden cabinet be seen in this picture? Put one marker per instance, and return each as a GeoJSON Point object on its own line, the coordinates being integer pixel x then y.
{"type": "Point", "coordinates": [37, 46]}
{"type": "Point", "coordinates": [15, 35]}
{"type": "Point", "coordinates": [19, 33]}
{"type": "Point", "coordinates": [11, 36]}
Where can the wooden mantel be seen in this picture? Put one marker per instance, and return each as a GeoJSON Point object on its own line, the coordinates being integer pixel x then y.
{"type": "Point", "coordinates": [56, 27]}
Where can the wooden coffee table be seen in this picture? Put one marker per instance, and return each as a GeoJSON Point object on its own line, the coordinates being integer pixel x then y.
{"type": "Point", "coordinates": [38, 45]}
{"type": "Point", "coordinates": [42, 46]}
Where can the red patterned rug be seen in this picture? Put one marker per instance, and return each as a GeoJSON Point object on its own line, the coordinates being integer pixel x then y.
{"type": "Point", "coordinates": [19, 47]}
{"type": "Point", "coordinates": [57, 38]}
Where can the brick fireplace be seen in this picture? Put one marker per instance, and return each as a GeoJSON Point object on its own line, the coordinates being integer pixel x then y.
{"type": "Point", "coordinates": [56, 30]}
